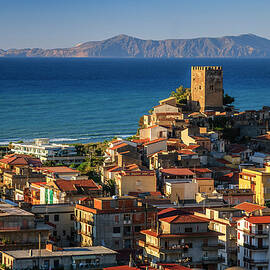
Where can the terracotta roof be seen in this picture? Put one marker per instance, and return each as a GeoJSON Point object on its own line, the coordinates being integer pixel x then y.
{"type": "Point", "coordinates": [72, 185]}
{"type": "Point", "coordinates": [156, 141]}
{"type": "Point", "coordinates": [186, 152]}
{"type": "Point", "coordinates": [193, 146]}
{"type": "Point", "coordinates": [118, 146]}
{"type": "Point", "coordinates": [249, 207]}
{"type": "Point", "coordinates": [259, 219]}
{"type": "Point", "coordinates": [167, 210]}
{"type": "Point", "coordinates": [25, 160]}
{"type": "Point", "coordinates": [114, 169]}
{"type": "Point", "coordinates": [201, 170]}
{"type": "Point", "coordinates": [177, 171]}
{"type": "Point", "coordinates": [140, 141]}
{"type": "Point", "coordinates": [184, 219]}
{"type": "Point", "coordinates": [152, 126]}
{"type": "Point", "coordinates": [58, 169]}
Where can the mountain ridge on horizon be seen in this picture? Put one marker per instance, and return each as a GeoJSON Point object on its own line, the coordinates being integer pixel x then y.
{"type": "Point", "coordinates": [124, 46]}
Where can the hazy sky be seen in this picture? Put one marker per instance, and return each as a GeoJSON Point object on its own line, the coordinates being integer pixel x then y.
{"type": "Point", "coordinates": [64, 23]}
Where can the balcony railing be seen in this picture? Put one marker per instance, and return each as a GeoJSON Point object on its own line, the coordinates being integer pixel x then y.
{"type": "Point", "coordinates": [256, 261]}
{"type": "Point", "coordinates": [84, 220]}
{"type": "Point", "coordinates": [84, 233]}
{"type": "Point", "coordinates": [254, 247]}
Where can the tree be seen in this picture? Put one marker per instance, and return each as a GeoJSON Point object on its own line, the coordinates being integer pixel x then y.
{"type": "Point", "coordinates": [181, 94]}
{"type": "Point", "coordinates": [227, 99]}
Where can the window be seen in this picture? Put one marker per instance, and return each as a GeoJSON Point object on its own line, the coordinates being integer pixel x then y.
{"type": "Point", "coordinates": [126, 217]}
{"type": "Point", "coordinates": [127, 230]}
{"type": "Point", "coordinates": [56, 263]}
{"type": "Point", "coordinates": [127, 243]}
{"type": "Point", "coordinates": [72, 217]}
{"type": "Point", "coordinates": [116, 219]}
{"type": "Point", "coordinates": [64, 232]}
{"type": "Point", "coordinates": [137, 228]}
{"type": "Point", "coordinates": [46, 218]}
{"type": "Point", "coordinates": [116, 229]}
{"type": "Point", "coordinates": [189, 229]}
{"type": "Point", "coordinates": [56, 217]}
{"type": "Point", "coordinates": [116, 244]}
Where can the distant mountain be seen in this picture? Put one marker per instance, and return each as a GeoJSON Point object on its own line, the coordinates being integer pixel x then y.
{"type": "Point", "coordinates": [248, 45]}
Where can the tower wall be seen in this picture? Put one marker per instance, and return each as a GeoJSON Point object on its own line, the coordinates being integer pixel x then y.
{"type": "Point", "coordinates": [206, 87]}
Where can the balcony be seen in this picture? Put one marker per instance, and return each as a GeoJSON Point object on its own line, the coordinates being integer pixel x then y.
{"type": "Point", "coordinates": [89, 234]}
{"type": "Point", "coordinates": [258, 262]}
{"type": "Point", "coordinates": [176, 248]}
{"type": "Point", "coordinates": [83, 220]}
{"type": "Point", "coordinates": [254, 247]}
{"type": "Point", "coordinates": [212, 260]}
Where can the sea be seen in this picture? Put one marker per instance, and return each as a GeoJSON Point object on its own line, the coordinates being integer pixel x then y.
{"type": "Point", "coordinates": [81, 100]}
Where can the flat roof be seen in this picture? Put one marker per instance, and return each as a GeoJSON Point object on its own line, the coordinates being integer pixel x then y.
{"type": "Point", "coordinates": [71, 251]}
{"type": "Point", "coordinates": [8, 210]}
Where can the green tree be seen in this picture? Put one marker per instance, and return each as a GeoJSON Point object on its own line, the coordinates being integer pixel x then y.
{"type": "Point", "coordinates": [181, 94]}
{"type": "Point", "coordinates": [109, 188]}
{"type": "Point", "coordinates": [227, 99]}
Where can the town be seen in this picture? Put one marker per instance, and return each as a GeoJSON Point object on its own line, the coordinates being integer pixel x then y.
{"type": "Point", "coordinates": [190, 190]}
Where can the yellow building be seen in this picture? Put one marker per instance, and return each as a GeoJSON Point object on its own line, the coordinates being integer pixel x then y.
{"type": "Point", "coordinates": [258, 180]}
{"type": "Point", "coordinates": [135, 181]}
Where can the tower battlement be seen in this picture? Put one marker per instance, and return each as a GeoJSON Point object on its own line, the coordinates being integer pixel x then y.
{"type": "Point", "coordinates": [206, 68]}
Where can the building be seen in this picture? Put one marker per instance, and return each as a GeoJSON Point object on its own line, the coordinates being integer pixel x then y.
{"type": "Point", "coordinates": [135, 181]}
{"type": "Point", "coordinates": [154, 132]}
{"type": "Point", "coordinates": [63, 191]}
{"type": "Point", "coordinates": [223, 220]}
{"type": "Point", "coordinates": [258, 180]}
{"type": "Point", "coordinates": [59, 258]}
{"type": "Point", "coordinates": [61, 218]}
{"type": "Point", "coordinates": [181, 239]}
{"type": "Point", "coordinates": [62, 172]}
{"type": "Point", "coordinates": [206, 88]}
{"type": "Point", "coordinates": [20, 229]}
{"type": "Point", "coordinates": [114, 222]}
{"type": "Point", "coordinates": [253, 242]}
{"type": "Point", "coordinates": [46, 151]}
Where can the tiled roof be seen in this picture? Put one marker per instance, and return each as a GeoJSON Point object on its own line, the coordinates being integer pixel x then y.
{"type": "Point", "coordinates": [259, 219]}
{"type": "Point", "coordinates": [72, 185]}
{"type": "Point", "coordinates": [249, 207]}
{"type": "Point", "coordinates": [17, 159]}
{"type": "Point", "coordinates": [156, 141]}
{"type": "Point", "coordinates": [118, 146]}
{"type": "Point", "coordinates": [184, 219]}
{"type": "Point", "coordinates": [140, 141]}
{"type": "Point", "coordinates": [58, 169]}
{"type": "Point", "coordinates": [193, 146]}
{"type": "Point", "coordinates": [177, 171]}
{"type": "Point", "coordinates": [201, 170]}
{"type": "Point", "coordinates": [186, 152]}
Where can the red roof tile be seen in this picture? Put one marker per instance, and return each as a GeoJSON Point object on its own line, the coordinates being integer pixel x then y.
{"type": "Point", "coordinates": [72, 185]}
{"type": "Point", "coordinates": [23, 160]}
{"type": "Point", "coordinates": [57, 169]}
{"type": "Point", "coordinates": [249, 207]}
{"type": "Point", "coordinates": [156, 141]}
{"type": "Point", "coordinates": [177, 171]}
{"type": "Point", "coordinates": [259, 219]}
{"type": "Point", "coordinates": [185, 219]}
{"type": "Point", "coordinates": [122, 267]}
{"type": "Point", "coordinates": [201, 170]}
{"type": "Point", "coordinates": [118, 146]}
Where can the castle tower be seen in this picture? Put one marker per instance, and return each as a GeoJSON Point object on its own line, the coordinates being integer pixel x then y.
{"type": "Point", "coordinates": [206, 88]}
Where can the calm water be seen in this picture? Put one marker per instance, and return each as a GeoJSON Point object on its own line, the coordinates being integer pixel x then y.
{"type": "Point", "coordinates": [82, 100]}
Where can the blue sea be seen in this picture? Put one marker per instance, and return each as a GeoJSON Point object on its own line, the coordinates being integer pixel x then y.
{"type": "Point", "coordinates": [73, 100]}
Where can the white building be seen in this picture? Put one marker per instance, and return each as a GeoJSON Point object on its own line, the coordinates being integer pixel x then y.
{"type": "Point", "coordinates": [46, 151]}
{"type": "Point", "coordinates": [253, 242]}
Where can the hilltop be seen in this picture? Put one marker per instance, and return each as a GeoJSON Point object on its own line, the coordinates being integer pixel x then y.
{"type": "Point", "coordinates": [247, 45]}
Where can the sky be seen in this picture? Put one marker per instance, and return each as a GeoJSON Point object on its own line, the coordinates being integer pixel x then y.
{"type": "Point", "coordinates": [65, 23]}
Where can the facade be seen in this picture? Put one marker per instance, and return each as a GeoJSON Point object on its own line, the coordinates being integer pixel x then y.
{"type": "Point", "coordinates": [63, 191]}
{"type": "Point", "coordinates": [206, 88]}
{"type": "Point", "coordinates": [155, 146]}
{"type": "Point", "coordinates": [135, 181]}
{"type": "Point", "coordinates": [61, 218]}
{"type": "Point", "coordinates": [113, 222]}
{"type": "Point", "coordinates": [20, 229]}
{"type": "Point", "coordinates": [253, 242]}
{"type": "Point", "coordinates": [60, 258]}
{"type": "Point", "coordinates": [258, 180]}
{"type": "Point", "coordinates": [181, 239]}
{"type": "Point", "coordinates": [154, 133]}
{"type": "Point", "coordinates": [46, 151]}
{"type": "Point", "coordinates": [223, 221]}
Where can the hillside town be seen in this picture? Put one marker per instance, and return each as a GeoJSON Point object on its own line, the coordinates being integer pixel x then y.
{"type": "Point", "coordinates": [190, 190]}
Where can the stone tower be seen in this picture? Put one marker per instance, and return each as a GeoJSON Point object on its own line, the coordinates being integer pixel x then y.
{"type": "Point", "coordinates": [206, 88]}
